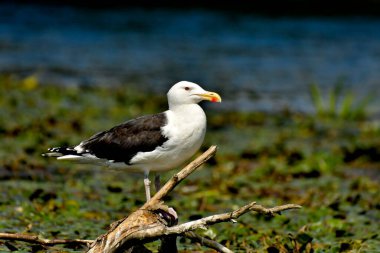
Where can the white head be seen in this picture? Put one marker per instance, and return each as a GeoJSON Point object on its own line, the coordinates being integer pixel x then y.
{"type": "Point", "coordinates": [189, 93]}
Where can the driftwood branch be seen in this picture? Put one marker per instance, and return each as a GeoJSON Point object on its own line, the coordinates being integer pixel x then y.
{"type": "Point", "coordinates": [207, 242]}
{"type": "Point", "coordinates": [274, 210]}
{"type": "Point", "coordinates": [157, 231]}
{"type": "Point", "coordinates": [154, 221]}
{"type": "Point", "coordinates": [44, 242]}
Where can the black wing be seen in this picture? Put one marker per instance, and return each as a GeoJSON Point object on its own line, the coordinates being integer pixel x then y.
{"type": "Point", "coordinates": [122, 142]}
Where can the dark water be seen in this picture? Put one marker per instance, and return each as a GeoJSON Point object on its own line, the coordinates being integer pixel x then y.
{"type": "Point", "coordinates": [254, 62]}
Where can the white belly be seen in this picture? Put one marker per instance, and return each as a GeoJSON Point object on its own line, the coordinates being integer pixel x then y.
{"type": "Point", "coordinates": [185, 132]}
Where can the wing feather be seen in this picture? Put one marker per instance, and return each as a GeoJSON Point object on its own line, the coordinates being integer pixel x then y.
{"type": "Point", "coordinates": [122, 142]}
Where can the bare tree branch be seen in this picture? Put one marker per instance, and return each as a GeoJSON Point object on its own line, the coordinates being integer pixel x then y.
{"type": "Point", "coordinates": [274, 210]}
{"type": "Point", "coordinates": [207, 242]}
{"type": "Point", "coordinates": [145, 226]}
{"type": "Point", "coordinates": [46, 242]}
{"type": "Point", "coordinates": [157, 231]}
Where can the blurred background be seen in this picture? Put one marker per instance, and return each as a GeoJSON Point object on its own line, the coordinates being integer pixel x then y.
{"type": "Point", "coordinates": [256, 60]}
{"type": "Point", "coordinates": [299, 122]}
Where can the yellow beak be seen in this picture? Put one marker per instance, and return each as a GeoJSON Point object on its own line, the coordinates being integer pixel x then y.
{"type": "Point", "coordinates": [211, 96]}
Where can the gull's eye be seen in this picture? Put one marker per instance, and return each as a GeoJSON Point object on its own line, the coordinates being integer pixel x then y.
{"type": "Point", "coordinates": [187, 88]}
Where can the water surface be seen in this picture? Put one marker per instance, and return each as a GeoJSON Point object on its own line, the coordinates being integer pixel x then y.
{"type": "Point", "coordinates": [256, 63]}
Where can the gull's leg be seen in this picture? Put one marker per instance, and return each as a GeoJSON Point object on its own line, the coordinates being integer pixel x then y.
{"type": "Point", "coordinates": [157, 185]}
{"type": "Point", "coordinates": [147, 185]}
{"type": "Point", "coordinates": [157, 182]}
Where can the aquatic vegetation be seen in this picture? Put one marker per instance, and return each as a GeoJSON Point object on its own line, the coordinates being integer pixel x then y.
{"type": "Point", "coordinates": [331, 169]}
{"type": "Point", "coordinates": [339, 103]}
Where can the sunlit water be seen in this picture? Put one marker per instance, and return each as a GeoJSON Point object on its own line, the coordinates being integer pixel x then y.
{"type": "Point", "coordinates": [256, 63]}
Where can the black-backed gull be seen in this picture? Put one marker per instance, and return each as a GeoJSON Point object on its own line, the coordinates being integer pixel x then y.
{"type": "Point", "coordinates": [156, 142]}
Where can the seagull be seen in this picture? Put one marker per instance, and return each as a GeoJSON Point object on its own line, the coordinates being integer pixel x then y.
{"type": "Point", "coordinates": [156, 143]}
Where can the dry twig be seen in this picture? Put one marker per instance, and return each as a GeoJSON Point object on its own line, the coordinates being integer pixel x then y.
{"type": "Point", "coordinates": [45, 242]}
{"type": "Point", "coordinates": [207, 242]}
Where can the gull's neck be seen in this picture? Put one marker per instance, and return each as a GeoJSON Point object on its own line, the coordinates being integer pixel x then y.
{"type": "Point", "coordinates": [184, 107]}
{"type": "Point", "coordinates": [188, 112]}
